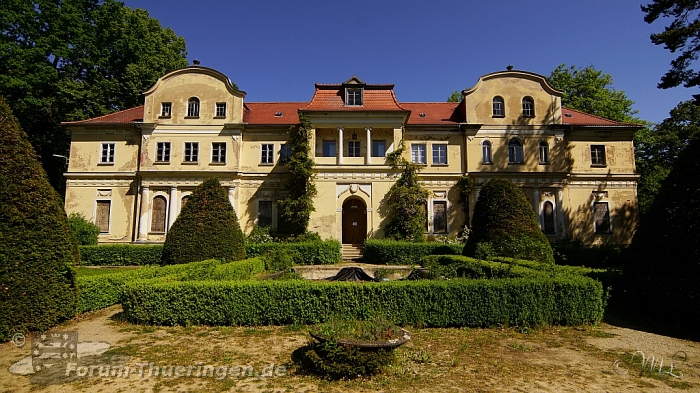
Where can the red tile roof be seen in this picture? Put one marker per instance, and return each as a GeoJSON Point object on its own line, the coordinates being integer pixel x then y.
{"type": "Point", "coordinates": [126, 116]}
{"type": "Point", "coordinates": [577, 118]}
{"type": "Point", "coordinates": [433, 113]}
{"type": "Point", "coordinates": [264, 112]}
{"type": "Point", "coordinates": [332, 98]}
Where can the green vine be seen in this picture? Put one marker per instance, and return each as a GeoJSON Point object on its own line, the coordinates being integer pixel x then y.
{"type": "Point", "coordinates": [406, 199]}
{"type": "Point", "coordinates": [295, 209]}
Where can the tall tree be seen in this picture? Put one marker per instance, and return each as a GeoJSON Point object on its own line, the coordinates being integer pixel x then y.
{"type": "Point", "coordinates": [657, 149]}
{"type": "Point", "coordinates": [591, 91]}
{"type": "Point", "coordinates": [63, 60]}
{"type": "Point", "coordinates": [683, 34]}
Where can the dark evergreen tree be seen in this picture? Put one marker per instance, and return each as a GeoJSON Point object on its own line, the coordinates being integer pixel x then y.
{"type": "Point", "coordinates": [505, 220]}
{"type": "Point", "coordinates": [37, 248]}
{"type": "Point", "coordinates": [406, 200]}
{"type": "Point", "coordinates": [207, 228]}
{"type": "Point", "coordinates": [662, 266]}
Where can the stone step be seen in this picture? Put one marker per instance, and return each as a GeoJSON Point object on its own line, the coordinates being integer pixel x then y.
{"type": "Point", "coordinates": [352, 251]}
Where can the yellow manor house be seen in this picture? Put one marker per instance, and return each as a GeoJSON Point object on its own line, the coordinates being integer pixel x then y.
{"type": "Point", "coordinates": [132, 171]}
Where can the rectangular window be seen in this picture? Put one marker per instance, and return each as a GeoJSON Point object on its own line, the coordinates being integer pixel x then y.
{"type": "Point", "coordinates": [191, 152]}
{"type": "Point", "coordinates": [102, 215]}
{"type": "Point", "coordinates": [220, 109]}
{"type": "Point", "coordinates": [598, 155]}
{"type": "Point", "coordinates": [266, 153]}
{"type": "Point", "coordinates": [264, 213]}
{"type": "Point", "coordinates": [544, 153]}
{"type": "Point", "coordinates": [440, 217]}
{"type": "Point", "coordinates": [418, 153]}
{"type": "Point", "coordinates": [601, 214]}
{"type": "Point", "coordinates": [378, 148]}
{"type": "Point", "coordinates": [353, 149]}
{"type": "Point", "coordinates": [353, 97]}
{"type": "Point", "coordinates": [285, 153]}
{"type": "Point", "coordinates": [218, 152]}
{"type": "Point", "coordinates": [166, 109]}
{"type": "Point", "coordinates": [439, 154]}
{"type": "Point", "coordinates": [107, 156]}
{"type": "Point", "coordinates": [163, 152]}
{"type": "Point", "coordinates": [329, 148]}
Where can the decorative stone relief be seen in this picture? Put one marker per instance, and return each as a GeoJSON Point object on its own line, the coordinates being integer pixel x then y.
{"type": "Point", "coordinates": [104, 193]}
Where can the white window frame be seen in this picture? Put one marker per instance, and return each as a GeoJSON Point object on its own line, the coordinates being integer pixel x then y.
{"type": "Point", "coordinates": [418, 156]}
{"type": "Point", "coordinates": [603, 157]}
{"type": "Point", "coordinates": [220, 109]}
{"type": "Point", "coordinates": [166, 109]}
{"type": "Point", "coordinates": [193, 106]}
{"type": "Point", "coordinates": [189, 158]}
{"type": "Point", "coordinates": [267, 153]}
{"type": "Point", "coordinates": [354, 96]}
{"type": "Point", "coordinates": [513, 158]}
{"type": "Point", "coordinates": [161, 156]}
{"type": "Point", "coordinates": [543, 150]}
{"type": "Point", "coordinates": [528, 104]}
{"type": "Point", "coordinates": [218, 155]}
{"type": "Point", "coordinates": [110, 147]}
{"type": "Point", "coordinates": [499, 111]}
{"type": "Point", "coordinates": [439, 145]}
{"type": "Point", "coordinates": [486, 147]}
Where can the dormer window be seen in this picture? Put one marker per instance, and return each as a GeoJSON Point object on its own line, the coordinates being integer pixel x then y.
{"type": "Point", "coordinates": [353, 96]}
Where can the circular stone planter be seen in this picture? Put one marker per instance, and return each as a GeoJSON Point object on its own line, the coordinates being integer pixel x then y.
{"type": "Point", "coordinates": [403, 338]}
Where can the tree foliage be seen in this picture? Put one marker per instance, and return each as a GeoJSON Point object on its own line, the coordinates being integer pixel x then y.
{"type": "Point", "coordinates": [64, 60]}
{"type": "Point", "coordinates": [657, 149]}
{"type": "Point", "coordinates": [591, 91]}
{"type": "Point", "coordinates": [406, 200]}
{"type": "Point", "coordinates": [85, 231]}
{"type": "Point", "coordinates": [296, 207]}
{"type": "Point", "coordinates": [505, 222]}
{"type": "Point", "coordinates": [207, 228]}
{"type": "Point", "coordinates": [681, 35]}
{"type": "Point", "coordinates": [663, 263]}
{"type": "Point", "coordinates": [37, 249]}
{"type": "Point", "coordinates": [456, 96]}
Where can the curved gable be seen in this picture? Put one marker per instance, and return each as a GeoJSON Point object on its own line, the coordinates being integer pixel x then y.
{"type": "Point", "coordinates": [513, 87]}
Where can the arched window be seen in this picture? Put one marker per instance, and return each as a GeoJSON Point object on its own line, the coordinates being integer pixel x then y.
{"type": "Point", "coordinates": [159, 214]}
{"type": "Point", "coordinates": [183, 201]}
{"type": "Point", "coordinates": [515, 152]}
{"type": "Point", "coordinates": [544, 153]}
{"type": "Point", "coordinates": [548, 215]}
{"type": "Point", "coordinates": [486, 152]}
{"type": "Point", "coordinates": [193, 107]}
{"type": "Point", "coordinates": [499, 107]}
{"type": "Point", "coordinates": [528, 107]}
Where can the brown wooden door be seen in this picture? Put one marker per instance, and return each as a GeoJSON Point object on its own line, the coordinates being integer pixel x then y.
{"type": "Point", "coordinates": [354, 221]}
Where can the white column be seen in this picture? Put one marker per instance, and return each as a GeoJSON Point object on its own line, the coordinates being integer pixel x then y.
{"type": "Point", "coordinates": [143, 218]}
{"type": "Point", "coordinates": [561, 225]}
{"type": "Point", "coordinates": [231, 196]}
{"type": "Point", "coordinates": [536, 200]}
{"type": "Point", "coordinates": [172, 214]}
{"type": "Point", "coordinates": [368, 155]}
{"type": "Point", "coordinates": [340, 145]}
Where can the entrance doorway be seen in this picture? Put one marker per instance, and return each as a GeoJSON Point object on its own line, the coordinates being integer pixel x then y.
{"type": "Point", "coordinates": [354, 221]}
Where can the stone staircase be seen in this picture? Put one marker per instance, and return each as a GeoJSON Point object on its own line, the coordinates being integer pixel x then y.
{"type": "Point", "coordinates": [352, 252]}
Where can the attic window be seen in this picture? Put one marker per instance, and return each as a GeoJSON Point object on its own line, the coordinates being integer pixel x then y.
{"type": "Point", "coordinates": [422, 114]}
{"type": "Point", "coordinates": [278, 114]}
{"type": "Point", "coordinates": [353, 96]}
{"type": "Point", "coordinates": [568, 115]}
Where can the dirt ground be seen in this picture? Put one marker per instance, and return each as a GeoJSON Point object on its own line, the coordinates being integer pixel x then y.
{"type": "Point", "coordinates": [601, 358]}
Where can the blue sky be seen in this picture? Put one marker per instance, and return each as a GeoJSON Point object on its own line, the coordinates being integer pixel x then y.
{"type": "Point", "coordinates": [277, 50]}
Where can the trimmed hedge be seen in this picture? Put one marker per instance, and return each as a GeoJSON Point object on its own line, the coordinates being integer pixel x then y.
{"type": "Point", "coordinates": [325, 252]}
{"type": "Point", "coordinates": [564, 300]}
{"type": "Point", "coordinates": [392, 252]}
{"type": "Point", "coordinates": [457, 266]}
{"type": "Point", "coordinates": [97, 292]}
{"type": "Point", "coordinates": [121, 255]}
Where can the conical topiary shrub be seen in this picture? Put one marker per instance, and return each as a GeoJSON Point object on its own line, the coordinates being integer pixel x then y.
{"type": "Point", "coordinates": [207, 228]}
{"type": "Point", "coordinates": [505, 222]}
{"type": "Point", "coordinates": [37, 248]}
